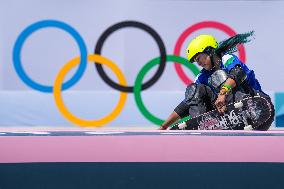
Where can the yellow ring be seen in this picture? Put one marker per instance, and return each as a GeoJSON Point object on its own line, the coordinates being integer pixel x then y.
{"type": "Point", "coordinates": [67, 114]}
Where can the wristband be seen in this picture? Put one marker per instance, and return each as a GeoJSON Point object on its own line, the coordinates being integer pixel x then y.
{"type": "Point", "coordinates": [227, 86]}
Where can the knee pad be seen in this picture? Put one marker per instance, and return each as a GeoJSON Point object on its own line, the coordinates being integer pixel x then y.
{"type": "Point", "coordinates": [195, 91]}
{"type": "Point", "coordinates": [190, 92]}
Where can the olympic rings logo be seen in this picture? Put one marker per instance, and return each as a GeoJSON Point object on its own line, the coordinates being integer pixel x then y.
{"type": "Point", "coordinates": [99, 60]}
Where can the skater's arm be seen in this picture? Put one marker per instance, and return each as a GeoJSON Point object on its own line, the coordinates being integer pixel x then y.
{"type": "Point", "coordinates": [171, 119]}
{"type": "Point", "coordinates": [230, 83]}
{"type": "Point", "coordinates": [236, 77]}
{"type": "Point", "coordinates": [179, 112]}
{"type": "Point", "coordinates": [220, 103]}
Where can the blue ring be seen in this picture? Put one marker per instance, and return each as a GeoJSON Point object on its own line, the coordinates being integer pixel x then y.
{"type": "Point", "coordinates": [39, 25]}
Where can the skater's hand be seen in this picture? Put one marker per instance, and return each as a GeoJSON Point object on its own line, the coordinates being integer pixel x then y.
{"type": "Point", "coordinates": [220, 103]}
{"type": "Point", "coordinates": [170, 120]}
{"type": "Point", "coordinates": [162, 128]}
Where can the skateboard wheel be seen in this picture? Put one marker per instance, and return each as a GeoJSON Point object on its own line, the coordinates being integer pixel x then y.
{"type": "Point", "coordinates": [249, 127]}
{"type": "Point", "coordinates": [238, 105]}
{"type": "Point", "coordinates": [182, 125]}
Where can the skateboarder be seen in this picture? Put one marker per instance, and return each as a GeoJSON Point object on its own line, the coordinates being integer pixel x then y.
{"type": "Point", "coordinates": [224, 79]}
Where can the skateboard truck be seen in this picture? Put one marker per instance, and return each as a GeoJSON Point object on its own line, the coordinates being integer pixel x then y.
{"type": "Point", "coordinates": [239, 105]}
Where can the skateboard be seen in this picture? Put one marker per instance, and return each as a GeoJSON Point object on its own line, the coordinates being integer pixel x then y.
{"type": "Point", "coordinates": [246, 114]}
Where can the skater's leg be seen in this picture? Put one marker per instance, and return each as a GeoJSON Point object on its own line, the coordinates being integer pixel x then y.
{"type": "Point", "coordinates": [200, 99]}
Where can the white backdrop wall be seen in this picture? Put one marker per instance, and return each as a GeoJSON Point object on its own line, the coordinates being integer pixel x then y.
{"type": "Point", "coordinates": [46, 51]}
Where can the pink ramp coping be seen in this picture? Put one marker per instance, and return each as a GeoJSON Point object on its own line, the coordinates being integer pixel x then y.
{"type": "Point", "coordinates": [158, 146]}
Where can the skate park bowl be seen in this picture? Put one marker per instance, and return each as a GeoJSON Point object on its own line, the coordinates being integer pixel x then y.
{"type": "Point", "coordinates": [122, 159]}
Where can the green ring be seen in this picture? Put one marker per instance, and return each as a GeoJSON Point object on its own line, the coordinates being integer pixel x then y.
{"type": "Point", "coordinates": [141, 75]}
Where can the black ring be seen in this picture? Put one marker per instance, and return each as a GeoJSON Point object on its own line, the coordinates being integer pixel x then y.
{"type": "Point", "coordinates": [147, 29]}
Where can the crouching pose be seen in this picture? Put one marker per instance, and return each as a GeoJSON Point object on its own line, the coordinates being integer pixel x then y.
{"type": "Point", "coordinates": [224, 79]}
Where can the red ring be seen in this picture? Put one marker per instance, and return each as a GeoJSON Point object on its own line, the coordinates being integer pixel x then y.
{"type": "Point", "coordinates": [198, 26]}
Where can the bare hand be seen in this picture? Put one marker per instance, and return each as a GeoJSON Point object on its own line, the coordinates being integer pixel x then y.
{"type": "Point", "coordinates": [220, 104]}
{"type": "Point", "coordinates": [162, 128]}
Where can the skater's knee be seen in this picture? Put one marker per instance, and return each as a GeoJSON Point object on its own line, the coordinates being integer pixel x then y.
{"type": "Point", "coordinates": [197, 92]}
{"type": "Point", "coordinates": [190, 92]}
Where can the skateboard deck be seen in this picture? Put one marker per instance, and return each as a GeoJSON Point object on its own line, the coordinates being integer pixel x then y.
{"type": "Point", "coordinates": [246, 114]}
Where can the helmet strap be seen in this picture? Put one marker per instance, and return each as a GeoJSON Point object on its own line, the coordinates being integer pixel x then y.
{"type": "Point", "coordinates": [211, 53]}
{"type": "Point", "coordinates": [212, 61]}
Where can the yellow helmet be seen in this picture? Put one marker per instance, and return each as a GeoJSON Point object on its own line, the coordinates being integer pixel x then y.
{"type": "Point", "coordinates": [198, 45]}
